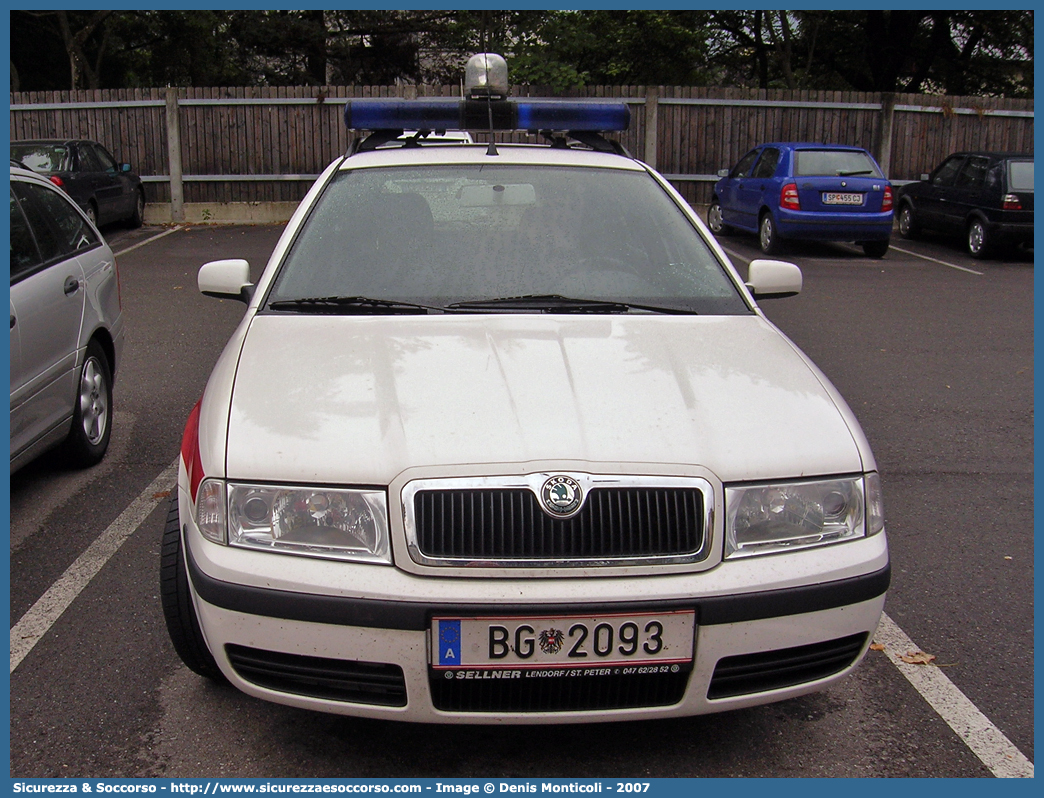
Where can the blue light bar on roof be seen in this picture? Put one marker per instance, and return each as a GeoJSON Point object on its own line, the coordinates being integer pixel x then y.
{"type": "Point", "coordinates": [447, 113]}
{"type": "Point", "coordinates": [436, 113]}
{"type": "Point", "coordinates": [572, 115]}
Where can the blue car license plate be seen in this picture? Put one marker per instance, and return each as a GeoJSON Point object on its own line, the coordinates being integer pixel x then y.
{"type": "Point", "coordinates": [842, 198]}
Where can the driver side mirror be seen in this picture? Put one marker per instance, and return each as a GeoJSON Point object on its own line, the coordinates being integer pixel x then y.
{"type": "Point", "coordinates": [226, 279]}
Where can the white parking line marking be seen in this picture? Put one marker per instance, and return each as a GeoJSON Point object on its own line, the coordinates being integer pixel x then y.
{"type": "Point", "coordinates": [32, 626]}
{"type": "Point", "coordinates": [984, 739]}
{"type": "Point", "coordinates": [149, 240]}
{"type": "Point", "coordinates": [744, 259]}
{"type": "Point", "coordinates": [936, 260]}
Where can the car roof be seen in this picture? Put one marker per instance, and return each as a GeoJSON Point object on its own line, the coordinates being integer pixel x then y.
{"type": "Point", "coordinates": [48, 141]}
{"type": "Point", "coordinates": [513, 154]}
{"type": "Point", "coordinates": [1000, 156]}
{"type": "Point", "coordinates": [812, 145]}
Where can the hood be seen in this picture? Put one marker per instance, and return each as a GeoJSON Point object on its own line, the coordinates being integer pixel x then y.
{"type": "Point", "coordinates": [357, 400]}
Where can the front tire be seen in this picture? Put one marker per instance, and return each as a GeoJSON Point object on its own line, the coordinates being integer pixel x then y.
{"type": "Point", "coordinates": [176, 596]}
{"type": "Point", "coordinates": [978, 239]}
{"type": "Point", "coordinates": [715, 221]}
{"type": "Point", "coordinates": [771, 244]}
{"type": "Point", "coordinates": [92, 415]}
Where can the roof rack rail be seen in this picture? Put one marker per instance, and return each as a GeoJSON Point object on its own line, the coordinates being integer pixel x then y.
{"type": "Point", "coordinates": [582, 121]}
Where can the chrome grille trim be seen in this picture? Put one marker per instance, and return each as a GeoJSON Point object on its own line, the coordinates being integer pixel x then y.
{"type": "Point", "coordinates": [634, 506]}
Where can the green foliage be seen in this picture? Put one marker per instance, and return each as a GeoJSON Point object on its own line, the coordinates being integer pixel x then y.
{"type": "Point", "coordinates": [953, 52]}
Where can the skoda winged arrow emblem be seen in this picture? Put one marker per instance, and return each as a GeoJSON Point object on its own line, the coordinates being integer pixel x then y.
{"type": "Point", "coordinates": [561, 496]}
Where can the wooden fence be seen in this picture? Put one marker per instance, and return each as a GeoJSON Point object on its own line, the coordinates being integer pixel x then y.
{"type": "Point", "coordinates": [232, 145]}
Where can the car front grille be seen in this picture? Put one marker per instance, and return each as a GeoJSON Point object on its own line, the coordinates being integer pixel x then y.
{"type": "Point", "coordinates": [557, 694]}
{"type": "Point", "coordinates": [507, 526]}
{"type": "Point", "coordinates": [773, 670]}
{"type": "Point", "coordinates": [320, 677]}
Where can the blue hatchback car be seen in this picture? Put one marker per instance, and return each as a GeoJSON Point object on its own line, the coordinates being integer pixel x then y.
{"type": "Point", "coordinates": [800, 191]}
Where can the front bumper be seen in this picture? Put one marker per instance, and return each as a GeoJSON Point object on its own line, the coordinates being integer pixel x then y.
{"type": "Point", "coordinates": [358, 644]}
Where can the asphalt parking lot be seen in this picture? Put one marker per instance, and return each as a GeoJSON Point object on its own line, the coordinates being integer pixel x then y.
{"type": "Point", "coordinates": [932, 350]}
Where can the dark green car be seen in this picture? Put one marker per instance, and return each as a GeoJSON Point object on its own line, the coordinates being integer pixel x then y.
{"type": "Point", "coordinates": [986, 197]}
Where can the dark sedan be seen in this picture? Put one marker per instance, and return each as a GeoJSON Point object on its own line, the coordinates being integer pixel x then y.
{"type": "Point", "coordinates": [986, 197]}
{"type": "Point", "coordinates": [801, 191]}
{"type": "Point", "coordinates": [106, 190]}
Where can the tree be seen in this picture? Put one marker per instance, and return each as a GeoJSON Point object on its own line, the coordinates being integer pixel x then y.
{"type": "Point", "coordinates": [83, 35]}
{"type": "Point", "coordinates": [940, 51]}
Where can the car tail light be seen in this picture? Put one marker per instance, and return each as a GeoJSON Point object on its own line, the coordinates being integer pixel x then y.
{"type": "Point", "coordinates": [57, 181]}
{"type": "Point", "coordinates": [190, 452]}
{"type": "Point", "coordinates": [788, 197]}
{"type": "Point", "coordinates": [886, 200]}
{"type": "Point", "coordinates": [1012, 202]}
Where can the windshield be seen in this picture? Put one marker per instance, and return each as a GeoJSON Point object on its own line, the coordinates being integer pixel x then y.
{"type": "Point", "coordinates": [440, 235]}
{"type": "Point", "coordinates": [1020, 175]}
{"type": "Point", "coordinates": [819, 163]}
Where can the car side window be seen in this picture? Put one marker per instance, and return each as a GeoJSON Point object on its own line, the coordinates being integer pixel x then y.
{"type": "Point", "coordinates": [766, 166]}
{"type": "Point", "coordinates": [973, 175]}
{"type": "Point", "coordinates": [108, 163]}
{"type": "Point", "coordinates": [59, 228]}
{"type": "Point", "coordinates": [88, 160]}
{"type": "Point", "coordinates": [742, 169]}
{"type": "Point", "coordinates": [945, 174]}
{"type": "Point", "coordinates": [24, 255]}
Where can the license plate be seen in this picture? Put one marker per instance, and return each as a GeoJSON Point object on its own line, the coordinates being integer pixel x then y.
{"type": "Point", "coordinates": [563, 641]}
{"type": "Point", "coordinates": [841, 198]}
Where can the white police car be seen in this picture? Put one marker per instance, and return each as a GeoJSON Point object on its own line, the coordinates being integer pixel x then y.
{"type": "Point", "coordinates": [503, 437]}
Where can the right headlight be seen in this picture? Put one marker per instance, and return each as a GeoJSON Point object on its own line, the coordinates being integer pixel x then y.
{"type": "Point", "coordinates": [341, 524]}
{"type": "Point", "coordinates": [783, 516]}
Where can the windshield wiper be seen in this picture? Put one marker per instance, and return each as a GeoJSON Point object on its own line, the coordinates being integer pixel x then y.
{"type": "Point", "coordinates": [556, 303]}
{"type": "Point", "coordinates": [348, 305]}
{"type": "Point", "coordinates": [542, 303]}
{"type": "Point", "coordinates": [853, 173]}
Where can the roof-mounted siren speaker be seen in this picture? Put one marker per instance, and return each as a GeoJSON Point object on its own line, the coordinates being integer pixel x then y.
{"type": "Point", "coordinates": [486, 77]}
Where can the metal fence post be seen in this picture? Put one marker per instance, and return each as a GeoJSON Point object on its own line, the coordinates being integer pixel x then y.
{"type": "Point", "coordinates": [651, 125]}
{"type": "Point", "coordinates": [177, 194]}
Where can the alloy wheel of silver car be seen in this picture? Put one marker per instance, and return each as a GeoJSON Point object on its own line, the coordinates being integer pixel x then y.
{"type": "Point", "coordinates": [92, 415]}
{"type": "Point", "coordinates": [94, 401]}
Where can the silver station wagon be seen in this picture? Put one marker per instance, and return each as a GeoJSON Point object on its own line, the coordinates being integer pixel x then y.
{"type": "Point", "coordinates": [66, 326]}
{"type": "Point", "coordinates": [503, 437]}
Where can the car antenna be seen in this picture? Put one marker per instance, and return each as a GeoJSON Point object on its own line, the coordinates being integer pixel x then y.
{"type": "Point", "coordinates": [492, 148]}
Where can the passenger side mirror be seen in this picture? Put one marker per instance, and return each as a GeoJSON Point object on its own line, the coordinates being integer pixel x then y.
{"type": "Point", "coordinates": [226, 279]}
{"type": "Point", "coordinates": [773, 279]}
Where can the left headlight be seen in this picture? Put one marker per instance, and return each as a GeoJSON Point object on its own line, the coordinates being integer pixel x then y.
{"type": "Point", "coordinates": [323, 522]}
{"type": "Point", "coordinates": [763, 519]}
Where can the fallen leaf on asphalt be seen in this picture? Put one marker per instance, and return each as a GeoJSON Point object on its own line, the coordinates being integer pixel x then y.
{"type": "Point", "coordinates": [917, 658]}
{"type": "Point", "coordinates": [877, 646]}
{"type": "Point", "coordinates": [163, 494]}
